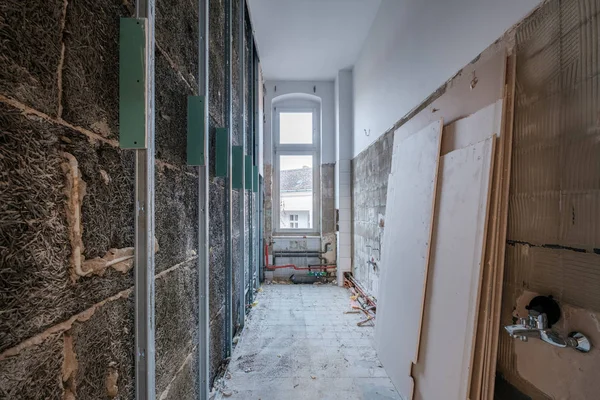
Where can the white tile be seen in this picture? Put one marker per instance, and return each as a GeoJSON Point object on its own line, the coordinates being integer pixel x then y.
{"type": "Point", "coordinates": [345, 226]}
{"type": "Point", "coordinates": [345, 214]}
{"type": "Point", "coordinates": [345, 238]}
{"type": "Point", "coordinates": [345, 250]}
{"type": "Point", "coordinates": [345, 178]}
{"type": "Point", "coordinates": [344, 165]}
{"type": "Point", "coordinates": [344, 190]}
{"type": "Point", "coordinates": [345, 263]}
{"type": "Point", "coordinates": [345, 202]}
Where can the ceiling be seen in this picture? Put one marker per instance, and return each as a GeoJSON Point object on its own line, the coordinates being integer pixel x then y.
{"type": "Point", "coordinates": [310, 39]}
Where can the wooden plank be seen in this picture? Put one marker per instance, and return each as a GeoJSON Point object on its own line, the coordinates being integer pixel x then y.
{"type": "Point", "coordinates": [454, 275]}
{"type": "Point", "coordinates": [406, 243]}
{"type": "Point", "coordinates": [508, 122]}
{"type": "Point", "coordinates": [490, 251]}
{"type": "Point", "coordinates": [482, 332]}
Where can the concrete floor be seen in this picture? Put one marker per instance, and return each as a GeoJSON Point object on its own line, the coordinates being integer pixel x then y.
{"type": "Point", "coordinates": [299, 344]}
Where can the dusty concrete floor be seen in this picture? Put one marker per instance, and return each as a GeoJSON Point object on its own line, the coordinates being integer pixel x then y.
{"type": "Point", "coordinates": [299, 344]}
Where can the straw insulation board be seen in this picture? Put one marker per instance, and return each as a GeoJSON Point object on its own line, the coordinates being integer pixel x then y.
{"type": "Point", "coordinates": [406, 239]}
{"type": "Point", "coordinates": [454, 274]}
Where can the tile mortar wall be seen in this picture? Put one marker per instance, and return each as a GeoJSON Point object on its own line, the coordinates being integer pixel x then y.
{"type": "Point", "coordinates": [370, 172]}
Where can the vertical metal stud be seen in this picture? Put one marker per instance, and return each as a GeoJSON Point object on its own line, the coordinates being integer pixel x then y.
{"type": "Point", "coordinates": [203, 207]}
{"type": "Point", "coordinates": [255, 144]}
{"type": "Point", "coordinates": [242, 135]}
{"type": "Point", "coordinates": [228, 222]}
{"type": "Point", "coordinates": [144, 228]}
{"type": "Point", "coordinates": [249, 174]}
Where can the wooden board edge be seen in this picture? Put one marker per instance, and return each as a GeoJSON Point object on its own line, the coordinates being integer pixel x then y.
{"type": "Point", "coordinates": [486, 273]}
{"type": "Point", "coordinates": [427, 262]}
{"type": "Point", "coordinates": [508, 127]}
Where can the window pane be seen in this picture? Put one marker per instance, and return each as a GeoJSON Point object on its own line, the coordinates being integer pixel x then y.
{"type": "Point", "coordinates": [295, 128]}
{"type": "Point", "coordinates": [295, 192]}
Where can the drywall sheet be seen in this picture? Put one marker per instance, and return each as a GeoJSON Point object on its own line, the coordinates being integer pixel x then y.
{"type": "Point", "coordinates": [406, 239]}
{"type": "Point", "coordinates": [473, 129]}
{"type": "Point", "coordinates": [453, 282]}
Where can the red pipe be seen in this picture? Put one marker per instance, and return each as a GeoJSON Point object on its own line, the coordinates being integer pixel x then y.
{"type": "Point", "coordinates": [274, 267]}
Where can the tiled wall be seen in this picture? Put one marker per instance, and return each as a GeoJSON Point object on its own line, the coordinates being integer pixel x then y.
{"type": "Point", "coordinates": [344, 257]}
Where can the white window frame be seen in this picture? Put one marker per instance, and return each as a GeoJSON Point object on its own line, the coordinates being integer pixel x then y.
{"type": "Point", "coordinates": [313, 150]}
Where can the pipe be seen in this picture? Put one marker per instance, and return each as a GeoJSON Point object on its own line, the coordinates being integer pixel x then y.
{"type": "Point", "coordinates": [359, 288]}
{"type": "Point", "coordinates": [293, 254]}
{"type": "Point", "coordinates": [203, 207]}
{"type": "Point", "coordinates": [309, 268]}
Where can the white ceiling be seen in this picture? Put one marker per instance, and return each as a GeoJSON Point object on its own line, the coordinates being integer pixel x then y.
{"type": "Point", "coordinates": [310, 39]}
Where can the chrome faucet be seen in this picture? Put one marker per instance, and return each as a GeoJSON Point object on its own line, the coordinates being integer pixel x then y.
{"type": "Point", "coordinates": [536, 324]}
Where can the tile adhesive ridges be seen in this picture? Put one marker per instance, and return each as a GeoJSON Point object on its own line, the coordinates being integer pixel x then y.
{"type": "Point", "coordinates": [554, 206]}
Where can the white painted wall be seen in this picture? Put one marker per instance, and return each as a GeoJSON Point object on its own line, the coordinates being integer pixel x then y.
{"type": "Point", "coordinates": [413, 47]}
{"type": "Point", "coordinates": [324, 90]}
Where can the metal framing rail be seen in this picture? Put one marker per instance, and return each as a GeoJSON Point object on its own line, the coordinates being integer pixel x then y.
{"type": "Point", "coordinates": [144, 228]}
{"type": "Point", "coordinates": [228, 209]}
{"type": "Point", "coordinates": [251, 249]}
{"type": "Point", "coordinates": [242, 190]}
{"type": "Point", "coordinates": [203, 207]}
{"type": "Point", "coordinates": [255, 143]}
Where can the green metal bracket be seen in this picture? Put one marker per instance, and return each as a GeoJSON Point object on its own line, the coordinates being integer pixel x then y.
{"type": "Point", "coordinates": [132, 83]}
{"type": "Point", "coordinates": [222, 146]}
{"type": "Point", "coordinates": [255, 180]}
{"type": "Point", "coordinates": [195, 130]}
{"type": "Point", "coordinates": [249, 173]}
{"type": "Point", "coordinates": [237, 173]}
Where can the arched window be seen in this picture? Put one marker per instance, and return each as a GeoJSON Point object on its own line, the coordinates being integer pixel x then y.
{"type": "Point", "coordinates": [297, 143]}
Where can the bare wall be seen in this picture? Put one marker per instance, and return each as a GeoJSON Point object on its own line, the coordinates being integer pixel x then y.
{"type": "Point", "coordinates": [414, 47]}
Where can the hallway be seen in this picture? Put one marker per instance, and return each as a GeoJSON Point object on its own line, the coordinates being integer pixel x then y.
{"type": "Point", "coordinates": [299, 344]}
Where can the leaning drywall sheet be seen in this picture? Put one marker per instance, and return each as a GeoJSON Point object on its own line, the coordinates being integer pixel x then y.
{"type": "Point", "coordinates": [406, 239]}
{"type": "Point", "coordinates": [454, 273]}
{"type": "Point", "coordinates": [474, 128]}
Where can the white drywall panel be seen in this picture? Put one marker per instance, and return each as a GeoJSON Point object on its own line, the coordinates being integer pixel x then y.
{"type": "Point", "coordinates": [405, 252]}
{"type": "Point", "coordinates": [450, 313]}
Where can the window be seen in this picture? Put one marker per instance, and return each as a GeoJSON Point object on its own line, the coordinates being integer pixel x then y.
{"type": "Point", "coordinates": [296, 128]}
{"type": "Point", "coordinates": [296, 169]}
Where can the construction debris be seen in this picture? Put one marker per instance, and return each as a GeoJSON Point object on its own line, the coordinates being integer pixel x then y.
{"type": "Point", "coordinates": [360, 301]}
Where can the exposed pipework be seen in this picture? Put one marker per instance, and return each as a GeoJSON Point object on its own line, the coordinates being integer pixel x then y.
{"type": "Point", "coordinates": [296, 254]}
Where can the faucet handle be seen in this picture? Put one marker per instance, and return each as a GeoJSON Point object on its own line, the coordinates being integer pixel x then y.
{"type": "Point", "coordinates": [542, 321]}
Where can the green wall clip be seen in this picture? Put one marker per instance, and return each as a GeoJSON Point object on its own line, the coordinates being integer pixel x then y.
{"type": "Point", "coordinates": [255, 180]}
{"type": "Point", "coordinates": [237, 168]}
{"type": "Point", "coordinates": [195, 130]}
{"type": "Point", "coordinates": [222, 147]}
{"type": "Point", "coordinates": [249, 173]}
{"type": "Point", "coordinates": [132, 83]}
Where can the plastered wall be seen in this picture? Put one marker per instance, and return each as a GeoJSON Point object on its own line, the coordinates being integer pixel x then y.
{"type": "Point", "coordinates": [413, 48]}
